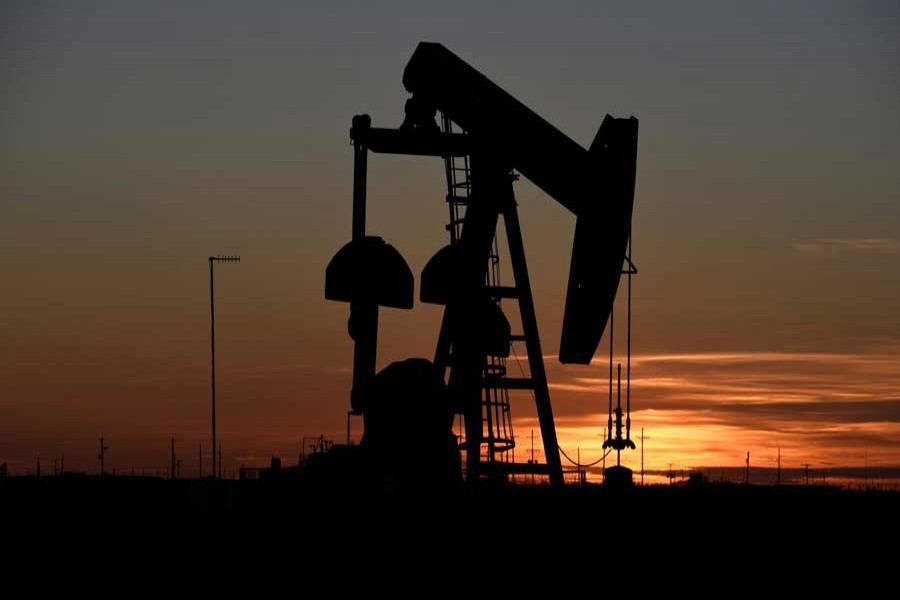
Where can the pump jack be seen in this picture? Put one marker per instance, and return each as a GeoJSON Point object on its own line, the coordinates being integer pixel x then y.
{"type": "Point", "coordinates": [414, 402]}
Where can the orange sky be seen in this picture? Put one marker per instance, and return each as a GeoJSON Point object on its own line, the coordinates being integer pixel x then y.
{"type": "Point", "coordinates": [136, 140]}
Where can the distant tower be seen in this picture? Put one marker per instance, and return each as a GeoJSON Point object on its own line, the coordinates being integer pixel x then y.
{"type": "Point", "coordinates": [642, 456]}
{"type": "Point", "coordinates": [102, 456]}
{"type": "Point", "coordinates": [866, 471]}
{"type": "Point", "coordinates": [212, 349]}
{"type": "Point", "coordinates": [747, 474]}
{"type": "Point", "coordinates": [778, 481]}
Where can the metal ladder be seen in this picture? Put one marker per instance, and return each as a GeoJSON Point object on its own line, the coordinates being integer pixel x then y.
{"type": "Point", "coordinates": [497, 438]}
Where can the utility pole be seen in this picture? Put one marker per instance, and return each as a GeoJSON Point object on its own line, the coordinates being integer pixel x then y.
{"type": "Point", "coordinates": [102, 456]}
{"type": "Point", "coordinates": [747, 475]}
{"type": "Point", "coordinates": [37, 468]}
{"type": "Point", "coordinates": [533, 465]}
{"type": "Point", "coordinates": [778, 481]}
{"type": "Point", "coordinates": [200, 460]}
{"type": "Point", "coordinates": [580, 480]}
{"type": "Point", "coordinates": [212, 345]}
{"type": "Point", "coordinates": [220, 461]}
{"type": "Point", "coordinates": [604, 437]}
{"type": "Point", "coordinates": [172, 471]}
{"type": "Point", "coordinates": [866, 471]}
{"type": "Point", "coordinates": [807, 472]}
{"type": "Point", "coordinates": [642, 456]}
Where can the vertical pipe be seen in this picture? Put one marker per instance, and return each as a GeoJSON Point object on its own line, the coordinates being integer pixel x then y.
{"type": "Point", "coordinates": [212, 353]}
{"type": "Point", "coordinates": [363, 323]}
{"type": "Point", "coordinates": [609, 423]}
{"type": "Point", "coordinates": [361, 123]}
{"type": "Point", "coordinates": [628, 349]}
{"type": "Point", "coordinates": [618, 411]}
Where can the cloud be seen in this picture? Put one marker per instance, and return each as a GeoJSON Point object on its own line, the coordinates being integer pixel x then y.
{"type": "Point", "coordinates": [708, 408]}
{"type": "Point", "coordinates": [743, 378]}
{"type": "Point", "coordinates": [829, 247]}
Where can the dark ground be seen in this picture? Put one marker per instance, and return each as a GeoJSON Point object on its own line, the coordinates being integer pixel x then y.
{"type": "Point", "coordinates": [285, 527]}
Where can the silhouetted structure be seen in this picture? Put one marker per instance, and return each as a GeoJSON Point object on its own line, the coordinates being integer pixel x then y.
{"type": "Point", "coordinates": [778, 481]}
{"type": "Point", "coordinates": [618, 476]}
{"type": "Point", "coordinates": [617, 442]}
{"type": "Point", "coordinates": [499, 134]}
{"type": "Point", "coordinates": [102, 456]}
{"type": "Point", "coordinates": [212, 349]}
{"type": "Point", "coordinates": [747, 475]}
{"type": "Point", "coordinates": [642, 455]}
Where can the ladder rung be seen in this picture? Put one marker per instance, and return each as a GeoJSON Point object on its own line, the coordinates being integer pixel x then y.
{"type": "Point", "coordinates": [510, 383]}
{"type": "Point", "coordinates": [517, 338]}
{"type": "Point", "coordinates": [457, 199]}
{"type": "Point", "coordinates": [495, 370]}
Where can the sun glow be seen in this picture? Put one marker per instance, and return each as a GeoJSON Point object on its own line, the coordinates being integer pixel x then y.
{"type": "Point", "coordinates": [710, 409]}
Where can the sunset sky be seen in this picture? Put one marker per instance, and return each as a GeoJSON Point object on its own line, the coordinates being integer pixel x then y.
{"type": "Point", "coordinates": [138, 138]}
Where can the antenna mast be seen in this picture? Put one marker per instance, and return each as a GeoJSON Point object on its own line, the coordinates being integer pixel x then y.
{"type": "Point", "coordinates": [212, 346]}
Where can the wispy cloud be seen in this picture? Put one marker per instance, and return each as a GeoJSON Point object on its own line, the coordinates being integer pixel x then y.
{"type": "Point", "coordinates": [828, 247]}
{"type": "Point", "coordinates": [710, 407]}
